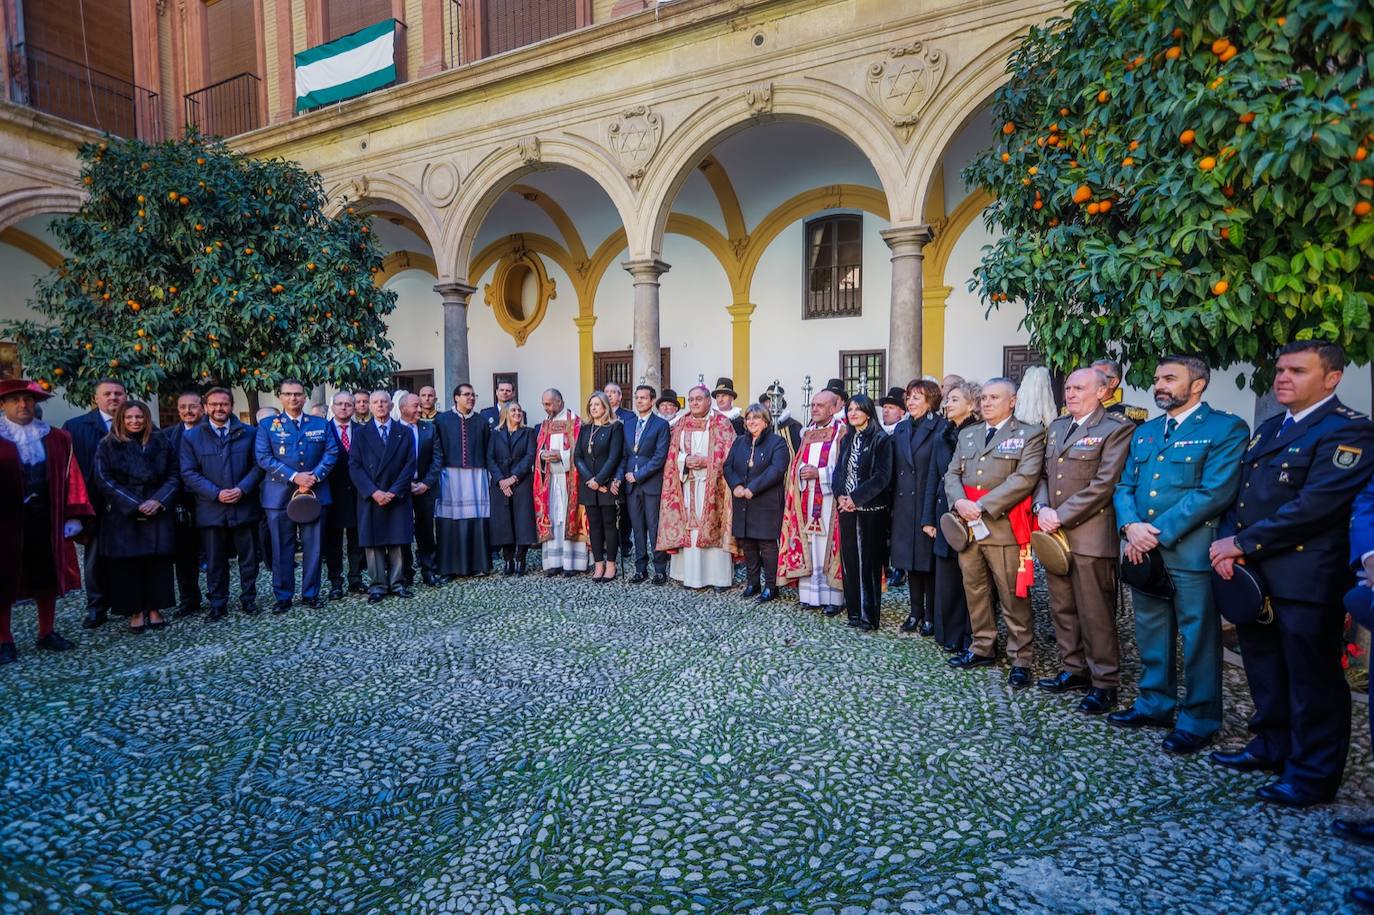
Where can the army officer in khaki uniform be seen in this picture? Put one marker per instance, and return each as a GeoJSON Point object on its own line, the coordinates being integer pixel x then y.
{"type": "Point", "coordinates": [1085, 453]}
{"type": "Point", "coordinates": [995, 468]}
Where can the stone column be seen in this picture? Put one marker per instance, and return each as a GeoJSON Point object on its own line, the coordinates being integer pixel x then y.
{"type": "Point", "coordinates": [646, 272]}
{"type": "Point", "coordinates": [586, 357]}
{"type": "Point", "coordinates": [904, 322]}
{"type": "Point", "coordinates": [740, 314]}
{"type": "Point", "coordinates": [457, 369]}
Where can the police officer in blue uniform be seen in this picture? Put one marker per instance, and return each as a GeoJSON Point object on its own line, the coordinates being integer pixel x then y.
{"type": "Point", "coordinates": [1291, 524]}
{"type": "Point", "coordinates": [1182, 472]}
{"type": "Point", "coordinates": [295, 452]}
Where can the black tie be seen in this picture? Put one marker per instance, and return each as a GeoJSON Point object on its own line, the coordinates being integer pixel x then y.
{"type": "Point", "coordinates": [223, 434]}
{"type": "Point", "coordinates": [987, 440]}
{"type": "Point", "coordinates": [1073, 427]}
{"type": "Point", "coordinates": [1169, 428]}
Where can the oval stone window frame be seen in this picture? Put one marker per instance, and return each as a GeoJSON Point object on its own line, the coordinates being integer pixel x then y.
{"type": "Point", "coordinates": [504, 293]}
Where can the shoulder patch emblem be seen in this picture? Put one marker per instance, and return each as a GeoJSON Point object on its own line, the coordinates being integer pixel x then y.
{"type": "Point", "coordinates": [1346, 456]}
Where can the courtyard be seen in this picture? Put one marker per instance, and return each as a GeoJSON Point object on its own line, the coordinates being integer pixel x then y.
{"type": "Point", "coordinates": [534, 745]}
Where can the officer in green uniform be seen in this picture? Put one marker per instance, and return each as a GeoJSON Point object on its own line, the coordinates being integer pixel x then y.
{"type": "Point", "coordinates": [1182, 472]}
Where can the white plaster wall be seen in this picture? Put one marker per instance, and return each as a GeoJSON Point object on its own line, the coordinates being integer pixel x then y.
{"type": "Point", "coordinates": [973, 342]}
{"type": "Point", "coordinates": [20, 270]}
{"type": "Point", "coordinates": [416, 326]}
{"type": "Point", "coordinates": [975, 136]}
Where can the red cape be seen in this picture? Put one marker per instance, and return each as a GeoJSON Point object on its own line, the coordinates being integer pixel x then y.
{"type": "Point", "coordinates": [67, 500]}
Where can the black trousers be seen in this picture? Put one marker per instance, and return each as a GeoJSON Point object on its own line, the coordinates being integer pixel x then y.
{"type": "Point", "coordinates": [93, 570]}
{"type": "Point", "coordinates": [863, 556]}
{"type": "Point", "coordinates": [385, 568]}
{"type": "Point", "coordinates": [643, 511]}
{"type": "Point", "coordinates": [243, 538]}
{"type": "Point", "coordinates": [186, 559]}
{"type": "Point", "coordinates": [424, 550]}
{"type": "Point", "coordinates": [334, 538]}
{"type": "Point", "coordinates": [921, 594]}
{"type": "Point", "coordinates": [952, 626]}
{"type": "Point", "coordinates": [605, 538]}
{"type": "Point", "coordinates": [1302, 701]}
{"type": "Point", "coordinates": [624, 523]}
{"type": "Point", "coordinates": [760, 561]}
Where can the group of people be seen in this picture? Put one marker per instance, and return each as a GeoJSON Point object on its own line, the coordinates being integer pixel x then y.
{"type": "Point", "coordinates": [952, 487]}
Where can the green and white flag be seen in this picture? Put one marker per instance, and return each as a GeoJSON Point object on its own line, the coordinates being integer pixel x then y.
{"type": "Point", "coordinates": [347, 66]}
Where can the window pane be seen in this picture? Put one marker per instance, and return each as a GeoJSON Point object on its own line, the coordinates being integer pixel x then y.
{"type": "Point", "coordinates": [834, 259]}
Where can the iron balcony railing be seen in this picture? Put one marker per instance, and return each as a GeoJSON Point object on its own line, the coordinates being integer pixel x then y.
{"type": "Point", "coordinates": [227, 108]}
{"type": "Point", "coordinates": [72, 90]}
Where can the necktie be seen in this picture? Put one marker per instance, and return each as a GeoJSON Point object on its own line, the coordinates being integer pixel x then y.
{"type": "Point", "coordinates": [987, 440]}
{"type": "Point", "coordinates": [1288, 423]}
{"type": "Point", "coordinates": [223, 434]}
{"type": "Point", "coordinates": [1169, 428]}
{"type": "Point", "coordinates": [343, 436]}
{"type": "Point", "coordinates": [384, 428]}
{"type": "Point", "coordinates": [1073, 427]}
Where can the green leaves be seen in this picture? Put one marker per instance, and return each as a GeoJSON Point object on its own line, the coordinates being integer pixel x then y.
{"type": "Point", "coordinates": [1270, 195]}
{"type": "Point", "coordinates": [187, 268]}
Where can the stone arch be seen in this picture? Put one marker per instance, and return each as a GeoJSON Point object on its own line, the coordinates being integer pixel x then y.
{"type": "Point", "coordinates": [503, 169]}
{"type": "Point", "coordinates": [18, 205]}
{"type": "Point", "coordinates": [381, 192]}
{"type": "Point", "coordinates": [398, 262]}
{"type": "Point", "coordinates": [824, 104]}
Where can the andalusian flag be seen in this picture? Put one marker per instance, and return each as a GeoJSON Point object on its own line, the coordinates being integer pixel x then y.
{"type": "Point", "coordinates": [347, 66]}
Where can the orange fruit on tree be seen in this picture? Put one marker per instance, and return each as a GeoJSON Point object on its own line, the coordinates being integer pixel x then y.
{"type": "Point", "coordinates": [1225, 232]}
{"type": "Point", "coordinates": [1038, 204]}
{"type": "Point", "coordinates": [1127, 162]}
{"type": "Point", "coordinates": [1177, 33]}
{"type": "Point", "coordinates": [1006, 157]}
{"type": "Point", "coordinates": [1207, 163]}
{"type": "Point", "coordinates": [1361, 153]}
{"type": "Point", "coordinates": [1054, 221]}
{"type": "Point", "coordinates": [1094, 208]}
{"type": "Point", "coordinates": [1367, 182]}
{"type": "Point", "coordinates": [1008, 128]}
{"type": "Point", "coordinates": [1063, 112]}
{"type": "Point", "coordinates": [1103, 96]}
{"type": "Point", "coordinates": [1220, 45]}
{"type": "Point", "coordinates": [138, 347]}
{"type": "Point", "coordinates": [1220, 287]}
{"type": "Point", "coordinates": [1032, 170]}
{"type": "Point", "coordinates": [1281, 21]}
{"type": "Point", "coordinates": [1104, 206]}
{"type": "Point", "coordinates": [1231, 51]}
{"type": "Point", "coordinates": [58, 372]}
{"type": "Point", "coordinates": [1187, 137]}
{"type": "Point", "coordinates": [114, 363]}
{"type": "Point", "coordinates": [1134, 145]}
{"type": "Point", "coordinates": [1026, 182]}
{"type": "Point", "coordinates": [200, 160]}
{"type": "Point", "coordinates": [1173, 53]}
{"type": "Point", "coordinates": [1248, 117]}
{"type": "Point", "coordinates": [1083, 194]}
{"type": "Point", "coordinates": [1363, 207]}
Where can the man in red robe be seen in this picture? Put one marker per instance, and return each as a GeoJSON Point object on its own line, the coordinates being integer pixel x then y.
{"type": "Point", "coordinates": [694, 510]}
{"type": "Point", "coordinates": [558, 520]}
{"type": "Point", "coordinates": [42, 497]}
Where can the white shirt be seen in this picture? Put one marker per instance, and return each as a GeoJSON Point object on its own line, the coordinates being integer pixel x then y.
{"type": "Point", "coordinates": [1303, 414]}
{"type": "Point", "coordinates": [109, 420]}
{"type": "Point", "coordinates": [1181, 418]}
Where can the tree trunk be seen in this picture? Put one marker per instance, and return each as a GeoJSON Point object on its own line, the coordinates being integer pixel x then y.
{"type": "Point", "coordinates": [253, 406]}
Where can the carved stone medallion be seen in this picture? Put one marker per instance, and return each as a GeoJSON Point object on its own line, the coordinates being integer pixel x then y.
{"type": "Point", "coordinates": [440, 183]}
{"type": "Point", "coordinates": [634, 136]}
{"type": "Point", "coordinates": [905, 81]}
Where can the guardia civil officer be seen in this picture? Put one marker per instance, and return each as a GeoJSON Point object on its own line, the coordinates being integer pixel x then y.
{"type": "Point", "coordinates": [1291, 524]}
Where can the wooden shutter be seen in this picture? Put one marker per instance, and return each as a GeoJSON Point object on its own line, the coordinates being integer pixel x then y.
{"type": "Point", "coordinates": [343, 17]}
{"type": "Point", "coordinates": [513, 24]}
{"type": "Point", "coordinates": [233, 38]}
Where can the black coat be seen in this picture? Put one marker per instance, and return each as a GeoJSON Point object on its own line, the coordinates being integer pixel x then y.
{"type": "Point", "coordinates": [759, 518]}
{"type": "Point", "coordinates": [185, 500]}
{"type": "Point", "coordinates": [873, 472]}
{"type": "Point", "coordinates": [127, 474]}
{"type": "Point", "coordinates": [208, 465]}
{"type": "Point", "coordinates": [388, 466]}
{"type": "Point", "coordinates": [936, 502]}
{"type": "Point", "coordinates": [87, 431]}
{"type": "Point", "coordinates": [599, 449]}
{"type": "Point", "coordinates": [342, 511]}
{"type": "Point", "coordinates": [913, 443]}
{"type": "Point", "coordinates": [512, 518]}
{"type": "Point", "coordinates": [426, 470]}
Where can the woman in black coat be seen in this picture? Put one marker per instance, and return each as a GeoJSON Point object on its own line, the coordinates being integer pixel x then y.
{"type": "Point", "coordinates": [861, 483]}
{"type": "Point", "coordinates": [754, 470]}
{"type": "Point", "coordinates": [912, 549]}
{"type": "Point", "coordinates": [136, 478]}
{"type": "Point", "coordinates": [952, 628]}
{"type": "Point", "coordinates": [510, 464]}
{"type": "Point", "coordinates": [600, 445]}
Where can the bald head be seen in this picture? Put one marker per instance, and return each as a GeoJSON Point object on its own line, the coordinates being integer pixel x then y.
{"type": "Point", "coordinates": [824, 405]}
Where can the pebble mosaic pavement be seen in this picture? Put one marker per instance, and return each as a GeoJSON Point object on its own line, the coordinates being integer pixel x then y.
{"type": "Point", "coordinates": [528, 745]}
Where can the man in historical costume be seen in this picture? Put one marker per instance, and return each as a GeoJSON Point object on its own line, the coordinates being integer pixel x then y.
{"type": "Point", "coordinates": [186, 557]}
{"type": "Point", "coordinates": [1111, 397]}
{"type": "Point", "coordinates": [694, 511]}
{"type": "Point", "coordinates": [561, 527]}
{"type": "Point", "coordinates": [461, 440]}
{"type": "Point", "coordinates": [809, 552]}
{"type": "Point", "coordinates": [789, 428]}
{"type": "Point", "coordinates": [86, 431]}
{"type": "Point", "coordinates": [423, 491]}
{"type": "Point", "coordinates": [43, 499]}
{"type": "Point", "coordinates": [667, 406]}
{"type": "Point", "coordinates": [893, 405]}
{"type": "Point", "coordinates": [429, 400]}
{"type": "Point", "coordinates": [505, 393]}
{"type": "Point", "coordinates": [724, 396]}
{"type": "Point", "coordinates": [382, 465]}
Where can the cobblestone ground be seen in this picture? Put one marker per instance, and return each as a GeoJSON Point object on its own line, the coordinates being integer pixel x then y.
{"type": "Point", "coordinates": [557, 746]}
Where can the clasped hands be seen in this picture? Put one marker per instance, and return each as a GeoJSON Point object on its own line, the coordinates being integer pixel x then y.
{"type": "Point", "coordinates": [1141, 537]}
{"type": "Point", "coordinates": [383, 497]}
{"type": "Point", "coordinates": [739, 492]}
{"type": "Point", "coordinates": [1224, 554]}
{"type": "Point", "coordinates": [507, 485]}
{"type": "Point", "coordinates": [968, 510]}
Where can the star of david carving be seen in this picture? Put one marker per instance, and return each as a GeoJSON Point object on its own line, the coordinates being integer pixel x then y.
{"type": "Point", "coordinates": [906, 83]}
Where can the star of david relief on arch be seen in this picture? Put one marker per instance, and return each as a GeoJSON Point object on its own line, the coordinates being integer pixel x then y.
{"type": "Point", "coordinates": [633, 137]}
{"type": "Point", "coordinates": [904, 82]}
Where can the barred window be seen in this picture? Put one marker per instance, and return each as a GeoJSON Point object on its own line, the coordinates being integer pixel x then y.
{"type": "Point", "coordinates": [834, 267]}
{"type": "Point", "coordinates": [863, 371]}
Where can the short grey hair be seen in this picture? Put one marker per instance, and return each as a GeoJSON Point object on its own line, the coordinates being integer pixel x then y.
{"type": "Point", "coordinates": [759, 410]}
{"type": "Point", "coordinates": [1108, 367]}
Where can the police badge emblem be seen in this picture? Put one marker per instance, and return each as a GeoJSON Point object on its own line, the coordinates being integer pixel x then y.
{"type": "Point", "coordinates": [1346, 456]}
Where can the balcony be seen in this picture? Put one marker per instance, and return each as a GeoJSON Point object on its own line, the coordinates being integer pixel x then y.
{"type": "Point", "coordinates": [70, 89]}
{"type": "Point", "coordinates": [227, 108]}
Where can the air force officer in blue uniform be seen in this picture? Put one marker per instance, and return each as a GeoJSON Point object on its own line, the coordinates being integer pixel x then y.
{"type": "Point", "coordinates": [1291, 524]}
{"type": "Point", "coordinates": [295, 451]}
{"type": "Point", "coordinates": [1182, 472]}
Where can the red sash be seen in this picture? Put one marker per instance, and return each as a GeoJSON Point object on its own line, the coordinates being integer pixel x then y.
{"type": "Point", "coordinates": [1023, 521]}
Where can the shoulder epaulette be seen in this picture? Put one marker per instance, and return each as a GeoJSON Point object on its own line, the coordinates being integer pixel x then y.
{"type": "Point", "coordinates": [1348, 412]}
{"type": "Point", "coordinates": [1137, 414]}
{"type": "Point", "coordinates": [1118, 417]}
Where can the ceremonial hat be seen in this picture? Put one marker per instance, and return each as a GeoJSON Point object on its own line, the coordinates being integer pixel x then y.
{"type": "Point", "coordinates": [304, 507]}
{"type": "Point", "coordinates": [956, 531]}
{"type": "Point", "coordinates": [1241, 599]}
{"type": "Point", "coordinates": [895, 396]}
{"type": "Point", "coordinates": [22, 386]}
{"type": "Point", "coordinates": [668, 395]}
{"type": "Point", "coordinates": [1359, 603]}
{"type": "Point", "coordinates": [1149, 576]}
{"type": "Point", "coordinates": [1052, 549]}
{"type": "Point", "coordinates": [836, 386]}
{"type": "Point", "coordinates": [724, 386]}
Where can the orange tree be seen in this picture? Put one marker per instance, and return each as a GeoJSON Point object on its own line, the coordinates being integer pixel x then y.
{"type": "Point", "coordinates": [192, 265]}
{"type": "Point", "coordinates": [1173, 175]}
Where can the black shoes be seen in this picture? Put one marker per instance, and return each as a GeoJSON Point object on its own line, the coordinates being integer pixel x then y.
{"type": "Point", "coordinates": [1362, 896]}
{"type": "Point", "coordinates": [1361, 831]}
{"type": "Point", "coordinates": [1064, 682]}
{"type": "Point", "coordinates": [660, 578]}
{"type": "Point", "coordinates": [766, 595]}
{"type": "Point", "coordinates": [357, 587]}
{"type": "Point", "coordinates": [336, 593]}
{"type": "Point", "coordinates": [404, 592]}
{"type": "Point", "coordinates": [1243, 760]}
{"type": "Point", "coordinates": [1019, 678]}
{"type": "Point", "coordinates": [314, 603]}
{"type": "Point", "coordinates": [1184, 743]}
{"type": "Point", "coordinates": [432, 580]}
{"type": "Point", "coordinates": [1130, 718]}
{"type": "Point", "coordinates": [897, 579]}
{"type": "Point", "coordinates": [552, 573]}
{"type": "Point", "coordinates": [639, 578]}
{"type": "Point", "coordinates": [249, 607]}
{"type": "Point", "coordinates": [8, 655]}
{"type": "Point", "coordinates": [217, 614]}
{"type": "Point", "coordinates": [95, 618]}
{"type": "Point", "coordinates": [967, 660]}
{"type": "Point", "coordinates": [911, 623]}
{"type": "Point", "coordinates": [831, 610]}
{"type": "Point", "coordinates": [1285, 795]}
{"type": "Point", "coordinates": [186, 610]}
{"type": "Point", "coordinates": [854, 621]}
{"type": "Point", "coordinates": [376, 597]}
{"type": "Point", "coordinates": [927, 629]}
{"type": "Point", "coordinates": [1098, 701]}
{"type": "Point", "coordinates": [281, 606]}
{"type": "Point", "coordinates": [54, 642]}
{"type": "Point", "coordinates": [750, 590]}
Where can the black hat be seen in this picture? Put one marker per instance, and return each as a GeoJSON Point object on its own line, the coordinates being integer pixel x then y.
{"type": "Point", "coordinates": [724, 386]}
{"type": "Point", "coordinates": [1359, 603]}
{"type": "Point", "coordinates": [895, 396]}
{"type": "Point", "coordinates": [1241, 599]}
{"type": "Point", "coordinates": [668, 396]}
{"type": "Point", "coordinates": [1149, 576]}
{"type": "Point", "coordinates": [836, 386]}
{"type": "Point", "coordinates": [774, 390]}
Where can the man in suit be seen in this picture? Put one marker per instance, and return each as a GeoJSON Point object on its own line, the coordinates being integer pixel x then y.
{"type": "Point", "coordinates": [422, 492]}
{"type": "Point", "coordinates": [186, 552]}
{"type": "Point", "coordinates": [220, 471]}
{"type": "Point", "coordinates": [1085, 453]}
{"type": "Point", "coordinates": [1291, 524]}
{"type": "Point", "coordinates": [995, 468]}
{"type": "Point", "coordinates": [296, 453]}
{"type": "Point", "coordinates": [382, 464]}
{"type": "Point", "coordinates": [341, 516]}
{"type": "Point", "coordinates": [86, 431]}
{"type": "Point", "coordinates": [616, 396]}
{"type": "Point", "coordinates": [505, 393]}
{"type": "Point", "coordinates": [1182, 472]}
{"type": "Point", "coordinates": [646, 448]}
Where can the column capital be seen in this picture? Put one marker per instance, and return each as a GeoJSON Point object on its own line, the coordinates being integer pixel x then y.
{"type": "Point", "coordinates": [741, 311]}
{"type": "Point", "coordinates": [646, 269]}
{"type": "Point", "coordinates": [455, 293]}
{"type": "Point", "coordinates": [585, 322]}
{"type": "Point", "coordinates": [906, 241]}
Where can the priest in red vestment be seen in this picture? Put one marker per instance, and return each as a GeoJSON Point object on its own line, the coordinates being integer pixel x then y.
{"type": "Point", "coordinates": [695, 508]}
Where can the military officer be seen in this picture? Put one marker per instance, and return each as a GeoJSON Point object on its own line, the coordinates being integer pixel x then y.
{"type": "Point", "coordinates": [994, 470]}
{"type": "Point", "coordinates": [296, 453]}
{"type": "Point", "coordinates": [1085, 453]}
{"type": "Point", "coordinates": [1111, 397]}
{"type": "Point", "coordinates": [1182, 473]}
{"type": "Point", "coordinates": [1291, 524]}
